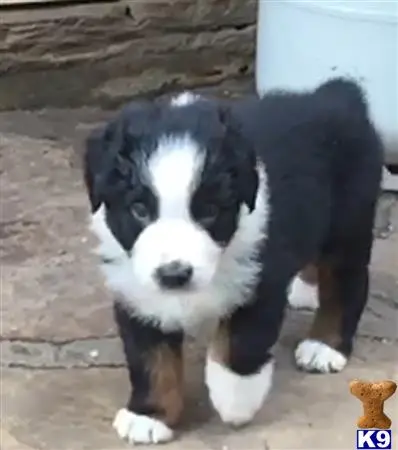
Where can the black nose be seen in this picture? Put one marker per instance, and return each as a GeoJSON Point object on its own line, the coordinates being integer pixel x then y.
{"type": "Point", "coordinates": [174, 274]}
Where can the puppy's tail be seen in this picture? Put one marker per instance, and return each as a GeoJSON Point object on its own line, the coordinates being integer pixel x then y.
{"type": "Point", "coordinates": [348, 118]}
{"type": "Point", "coordinates": [345, 91]}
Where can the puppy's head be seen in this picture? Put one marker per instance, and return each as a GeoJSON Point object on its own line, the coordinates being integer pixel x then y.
{"type": "Point", "coordinates": [169, 184]}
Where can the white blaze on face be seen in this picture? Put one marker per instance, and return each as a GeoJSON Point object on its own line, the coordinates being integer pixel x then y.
{"type": "Point", "coordinates": [174, 171]}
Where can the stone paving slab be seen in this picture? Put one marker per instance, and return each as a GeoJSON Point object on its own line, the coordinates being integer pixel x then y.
{"type": "Point", "coordinates": [47, 263]}
{"type": "Point", "coordinates": [73, 409]}
{"type": "Point", "coordinates": [45, 246]}
{"type": "Point", "coordinates": [62, 372]}
{"type": "Point", "coordinates": [46, 243]}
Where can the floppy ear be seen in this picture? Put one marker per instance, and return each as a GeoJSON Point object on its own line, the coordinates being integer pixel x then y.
{"type": "Point", "coordinates": [102, 146]}
{"type": "Point", "coordinates": [243, 157]}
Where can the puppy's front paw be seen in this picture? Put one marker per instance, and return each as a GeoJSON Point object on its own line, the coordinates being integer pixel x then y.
{"type": "Point", "coordinates": [237, 398]}
{"type": "Point", "coordinates": [139, 429]}
{"type": "Point", "coordinates": [316, 356]}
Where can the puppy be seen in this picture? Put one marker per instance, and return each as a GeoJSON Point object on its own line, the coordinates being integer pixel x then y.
{"type": "Point", "coordinates": [208, 209]}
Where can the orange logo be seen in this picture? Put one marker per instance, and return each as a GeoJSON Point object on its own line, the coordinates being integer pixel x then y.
{"type": "Point", "coordinates": [373, 395]}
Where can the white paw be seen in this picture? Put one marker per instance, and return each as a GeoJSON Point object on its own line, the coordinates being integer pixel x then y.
{"type": "Point", "coordinates": [138, 429]}
{"type": "Point", "coordinates": [237, 398]}
{"type": "Point", "coordinates": [316, 356]}
{"type": "Point", "coordinates": [303, 295]}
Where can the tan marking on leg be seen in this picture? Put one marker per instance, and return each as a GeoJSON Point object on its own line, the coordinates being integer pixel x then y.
{"type": "Point", "coordinates": [327, 321]}
{"type": "Point", "coordinates": [219, 347]}
{"type": "Point", "coordinates": [166, 375]}
{"type": "Point", "coordinates": [309, 274]}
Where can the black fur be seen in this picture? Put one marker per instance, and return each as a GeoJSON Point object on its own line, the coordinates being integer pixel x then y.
{"type": "Point", "coordinates": [323, 161]}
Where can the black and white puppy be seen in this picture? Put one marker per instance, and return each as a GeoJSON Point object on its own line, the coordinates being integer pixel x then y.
{"type": "Point", "coordinates": [208, 210]}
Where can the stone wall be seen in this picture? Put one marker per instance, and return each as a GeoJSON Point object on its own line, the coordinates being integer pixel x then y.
{"type": "Point", "coordinates": [106, 53]}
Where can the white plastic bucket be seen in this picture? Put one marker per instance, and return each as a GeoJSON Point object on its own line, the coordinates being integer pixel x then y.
{"type": "Point", "coordinates": [302, 43]}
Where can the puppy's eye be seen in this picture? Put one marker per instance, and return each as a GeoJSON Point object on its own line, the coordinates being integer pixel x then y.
{"type": "Point", "coordinates": [209, 213]}
{"type": "Point", "coordinates": [140, 212]}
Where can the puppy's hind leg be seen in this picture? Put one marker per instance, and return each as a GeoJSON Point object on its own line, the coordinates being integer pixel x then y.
{"type": "Point", "coordinates": [343, 292]}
